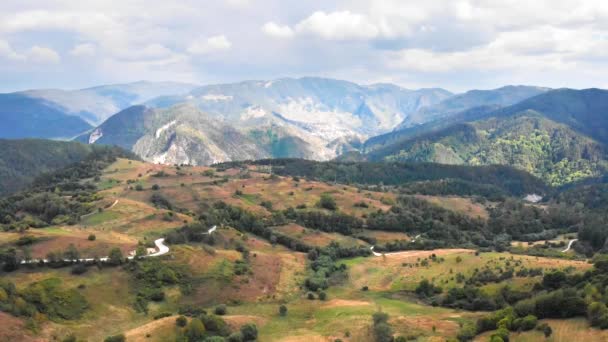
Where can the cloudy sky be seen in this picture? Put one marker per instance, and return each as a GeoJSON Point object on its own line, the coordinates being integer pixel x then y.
{"type": "Point", "coordinates": [454, 44]}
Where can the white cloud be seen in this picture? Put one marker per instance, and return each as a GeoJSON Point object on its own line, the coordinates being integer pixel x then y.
{"type": "Point", "coordinates": [43, 55]}
{"type": "Point", "coordinates": [275, 30]}
{"type": "Point", "coordinates": [7, 51]}
{"type": "Point", "coordinates": [343, 25]}
{"type": "Point", "coordinates": [209, 45]}
{"type": "Point", "coordinates": [83, 50]}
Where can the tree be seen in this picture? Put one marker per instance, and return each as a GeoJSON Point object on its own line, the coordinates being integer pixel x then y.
{"type": "Point", "coordinates": [71, 253]}
{"type": "Point", "coordinates": [249, 332]}
{"type": "Point", "coordinates": [327, 202]}
{"type": "Point", "coordinates": [195, 330]}
{"type": "Point", "coordinates": [9, 260]}
{"type": "Point", "coordinates": [383, 332]}
{"type": "Point", "coordinates": [115, 258]}
{"type": "Point", "coordinates": [283, 310]}
{"type": "Point", "coordinates": [380, 317]}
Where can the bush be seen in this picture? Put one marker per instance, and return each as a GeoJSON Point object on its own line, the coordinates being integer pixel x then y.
{"type": "Point", "coordinates": [327, 202]}
{"type": "Point", "coordinates": [116, 338]}
{"type": "Point", "coordinates": [283, 310]}
{"type": "Point", "coordinates": [162, 315]}
{"type": "Point", "coordinates": [501, 333]}
{"type": "Point", "coordinates": [221, 309]}
{"type": "Point", "coordinates": [322, 296]}
{"type": "Point", "coordinates": [92, 237]}
{"type": "Point", "coordinates": [195, 330]}
{"type": "Point", "coordinates": [79, 269]}
{"type": "Point", "coordinates": [155, 187]}
{"type": "Point", "coordinates": [235, 337]}
{"type": "Point", "coordinates": [181, 321]}
{"type": "Point", "coordinates": [249, 332]}
{"type": "Point", "coordinates": [310, 296]}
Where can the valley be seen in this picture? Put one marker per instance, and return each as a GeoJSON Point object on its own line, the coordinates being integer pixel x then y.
{"type": "Point", "coordinates": [268, 251]}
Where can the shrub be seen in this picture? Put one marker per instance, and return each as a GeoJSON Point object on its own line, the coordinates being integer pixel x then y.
{"type": "Point", "coordinates": [92, 237]}
{"type": "Point", "coordinates": [195, 330]}
{"type": "Point", "coordinates": [249, 332]}
{"type": "Point", "coordinates": [79, 269]}
{"type": "Point", "coordinates": [181, 321]}
{"type": "Point", "coordinates": [138, 187]}
{"type": "Point", "coordinates": [310, 296]}
{"type": "Point", "coordinates": [322, 295]}
{"type": "Point", "coordinates": [116, 338]}
{"type": "Point", "coordinates": [327, 202]}
{"type": "Point", "coordinates": [283, 310]}
{"type": "Point", "coordinates": [235, 337]}
{"type": "Point", "coordinates": [221, 309]}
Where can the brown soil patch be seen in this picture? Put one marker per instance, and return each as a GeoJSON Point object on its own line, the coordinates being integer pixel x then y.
{"type": "Point", "coordinates": [235, 322]}
{"type": "Point", "coordinates": [139, 334]}
{"type": "Point", "coordinates": [344, 302]}
{"type": "Point", "coordinates": [13, 329]}
{"type": "Point", "coordinates": [85, 247]}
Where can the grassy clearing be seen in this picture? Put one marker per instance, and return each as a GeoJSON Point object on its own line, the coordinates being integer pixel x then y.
{"type": "Point", "coordinates": [462, 205]}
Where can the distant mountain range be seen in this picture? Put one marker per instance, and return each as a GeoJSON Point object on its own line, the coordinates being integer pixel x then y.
{"type": "Point", "coordinates": [64, 114]}
{"type": "Point", "coordinates": [559, 135]}
{"type": "Point", "coordinates": [312, 118]}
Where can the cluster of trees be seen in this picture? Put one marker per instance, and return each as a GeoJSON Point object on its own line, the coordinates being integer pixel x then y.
{"type": "Point", "coordinates": [445, 227]}
{"type": "Point", "coordinates": [47, 297]}
{"type": "Point", "coordinates": [149, 277]}
{"type": "Point", "coordinates": [197, 325]}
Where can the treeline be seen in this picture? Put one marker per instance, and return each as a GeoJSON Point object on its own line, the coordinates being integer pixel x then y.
{"type": "Point", "coordinates": [456, 187]}
{"type": "Point", "coordinates": [508, 179]}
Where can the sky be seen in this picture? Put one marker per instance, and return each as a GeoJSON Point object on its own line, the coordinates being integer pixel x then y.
{"type": "Point", "coordinates": [453, 44]}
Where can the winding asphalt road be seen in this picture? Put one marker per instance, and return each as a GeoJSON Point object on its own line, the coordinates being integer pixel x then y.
{"type": "Point", "coordinates": [159, 243]}
{"type": "Point", "coordinates": [392, 253]}
{"type": "Point", "coordinates": [569, 245]}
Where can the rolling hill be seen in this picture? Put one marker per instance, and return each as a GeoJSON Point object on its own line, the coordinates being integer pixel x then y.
{"type": "Point", "coordinates": [21, 161]}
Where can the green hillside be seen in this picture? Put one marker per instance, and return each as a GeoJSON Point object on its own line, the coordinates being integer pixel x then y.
{"type": "Point", "coordinates": [528, 141]}
{"type": "Point", "coordinates": [23, 160]}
